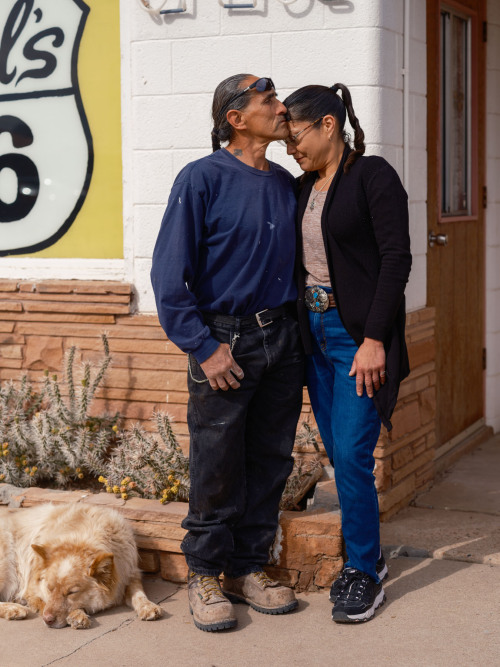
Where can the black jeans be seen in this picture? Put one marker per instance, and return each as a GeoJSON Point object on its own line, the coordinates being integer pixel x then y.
{"type": "Point", "coordinates": [241, 442]}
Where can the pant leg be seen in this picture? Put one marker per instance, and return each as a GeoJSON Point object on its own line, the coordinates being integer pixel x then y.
{"type": "Point", "coordinates": [216, 421]}
{"type": "Point", "coordinates": [354, 428]}
{"type": "Point", "coordinates": [236, 479]}
{"type": "Point", "coordinates": [271, 425]}
{"type": "Point", "coordinates": [320, 378]}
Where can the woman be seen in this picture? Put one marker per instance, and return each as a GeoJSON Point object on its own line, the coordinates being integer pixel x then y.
{"type": "Point", "coordinates": [353, 264]}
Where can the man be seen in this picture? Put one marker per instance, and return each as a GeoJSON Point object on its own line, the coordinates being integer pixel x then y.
{"type": "Point", "coordinates": [223, 280]}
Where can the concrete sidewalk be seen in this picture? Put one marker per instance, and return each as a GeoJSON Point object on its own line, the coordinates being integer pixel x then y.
{"type": "Point", "coordinates": [442, 610]}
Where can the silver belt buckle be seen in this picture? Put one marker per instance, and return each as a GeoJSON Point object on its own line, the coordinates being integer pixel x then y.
{"type": "Point", "coordinates": [316, 299]}
{"type": "Point", "coordinates": [259, 321]}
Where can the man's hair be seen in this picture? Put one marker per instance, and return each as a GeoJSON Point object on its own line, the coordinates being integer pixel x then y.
{"type": "Point", "coordinates": [225, 91]}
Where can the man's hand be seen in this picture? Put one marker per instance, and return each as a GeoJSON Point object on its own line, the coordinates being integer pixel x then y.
{"type": "Point", "coordinates": [222, 370]}
{"type": "Point", "coordinates": [369, 366]}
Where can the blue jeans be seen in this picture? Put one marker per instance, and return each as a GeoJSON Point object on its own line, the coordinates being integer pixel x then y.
{"type": "Point", "coordinates": [349, 426]}
{"type": "Point", "coordinates": [241, 442]}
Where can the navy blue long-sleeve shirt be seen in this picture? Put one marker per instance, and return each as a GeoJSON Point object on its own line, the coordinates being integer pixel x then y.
{"type": "Point", "coordinates": [226, 245]}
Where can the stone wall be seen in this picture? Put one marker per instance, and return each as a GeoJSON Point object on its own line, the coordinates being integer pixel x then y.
{"type": "Point", "coordinates": [40, 321]}
{"type": "Point", "coordinates": [405, 456]}
{"type": "Point", "coordinates": [307, 554]}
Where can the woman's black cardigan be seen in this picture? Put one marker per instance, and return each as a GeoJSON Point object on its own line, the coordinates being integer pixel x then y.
{"type": "Point", "coordinates": [365, 231]}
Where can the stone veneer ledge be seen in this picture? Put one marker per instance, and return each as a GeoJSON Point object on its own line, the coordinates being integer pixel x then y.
{"type": "Point", "coordinates": [308, 554]}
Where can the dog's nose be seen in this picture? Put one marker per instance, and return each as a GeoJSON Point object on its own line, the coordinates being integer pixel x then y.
{"type": "Point", "coordinates": [49, 619]}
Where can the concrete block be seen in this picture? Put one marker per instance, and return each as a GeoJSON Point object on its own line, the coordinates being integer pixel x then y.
{"type": "Point", "coordinates": [492, 91]}
{"type": "Point", "coordinates": [418, 226]}
{"type": "Point", "coordinates": [416, 290]}
{"type": "Point", "coordinates": [493, 50]}
{"type": "Point", "coordinates": [418, 174]}
{"type": "Point", "coordinates": [493, 310]}
{"type": "Point", "coordinates": [147, 221]}
{"type": "Point", "coordinates": [492, 175]}
{"type": "Point", "coordinates": [365, 65]}
{"type": "Point", "coordinates": [152, 176]}
{"type": "Point", "coordinates": [380, 113]}
{"type": "Point", "coordinates": [418, 67]}
{"type": "Point", "coordinates": [200, 65]}
{"type": "Point", "coordinates": [151, 67]}
{"type": "Point", "coordinates": [493, 358]}
{"type": "Point", "coordinates": [493, 132]}
{"type": "Point", "coordinates": [201, 18]}
{"type": "Point", "coordinates": [418, 21]}
{"type": "Point", "coordinates": [144, 291]}
{"type": "Point", "coordinates": [493, 11]}
{"type": "Point", "coordinates": [180, 158]}
{"type": "Point", "coordinates": [393, 154]}
{"type": "Point", "coordinates": [492, 264]}
{"type": "Point", "coordinates": [387, 14]}
{"type": "Point", "coordinates": [273, 17]}
{"type": "Point", "coordinates": [173, 121]}
{"type": "Point", "coordinates": [492, 407]}
{"type": "Point", "coordinates": [418, 121]}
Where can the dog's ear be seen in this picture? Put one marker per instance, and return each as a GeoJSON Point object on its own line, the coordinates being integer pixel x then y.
{"type": "Point", "coordinates": [102, 569]}
{"type": "Point", "coordinates": [41, 550]}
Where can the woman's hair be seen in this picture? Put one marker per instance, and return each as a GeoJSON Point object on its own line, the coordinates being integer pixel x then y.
{"type": "Point", "coordinates": [225, 91]}
{"type": "Point", "coordinates": [312, 102]}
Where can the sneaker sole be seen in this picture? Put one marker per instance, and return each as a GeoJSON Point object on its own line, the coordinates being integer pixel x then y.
{"type": "Point", "coordinates": [213, 627]}
{"type": "Point", "coordinates": [382, 575]}
{"type": "Point", "coordinates": [236, 599]}
{"type": "Point", "coordinates": [342, 617]}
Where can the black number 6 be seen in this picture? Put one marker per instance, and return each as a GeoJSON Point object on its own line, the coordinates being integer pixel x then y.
{"type": "Point", "coordinates": [28, 181]}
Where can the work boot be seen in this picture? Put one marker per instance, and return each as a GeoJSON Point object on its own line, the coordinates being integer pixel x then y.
{"type": "Point", "coordinates": [211, 610]}
{"type": "Point", "coordinates": [260, 592]}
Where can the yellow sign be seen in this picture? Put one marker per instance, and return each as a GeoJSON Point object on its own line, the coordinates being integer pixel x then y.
{"type": "Point", "coordinates": [60, 129]}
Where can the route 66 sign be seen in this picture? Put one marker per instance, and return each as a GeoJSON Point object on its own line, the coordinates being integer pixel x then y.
{"type": "Point", "coordinates": [46, 153]}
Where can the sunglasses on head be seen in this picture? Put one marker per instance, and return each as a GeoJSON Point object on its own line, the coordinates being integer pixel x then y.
{"type": "Point", "coordinates": [260, 85]}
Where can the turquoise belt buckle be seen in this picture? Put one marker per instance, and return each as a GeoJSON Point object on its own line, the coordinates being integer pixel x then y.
{"type": "Point", "coordinates": [316, 299]}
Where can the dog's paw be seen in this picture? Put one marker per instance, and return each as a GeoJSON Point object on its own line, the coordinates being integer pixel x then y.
{"type": "Point", "coordinates": [149, 611]}
{"type": "Point", "coordinates": [78, 620]}
{"type": "Point", "coordinates": [35, 603]}
{"type": "Point", "coordinates": [12, 611]}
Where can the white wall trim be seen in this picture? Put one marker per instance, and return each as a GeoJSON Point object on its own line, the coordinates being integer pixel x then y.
{"type": "Point", "coordinates": [22, 268]}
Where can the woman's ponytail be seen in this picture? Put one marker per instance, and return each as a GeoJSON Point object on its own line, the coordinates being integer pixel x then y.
{"type": "Point", "coordinates": [359, 135]}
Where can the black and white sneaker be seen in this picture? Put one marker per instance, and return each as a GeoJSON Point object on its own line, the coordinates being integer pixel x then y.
{"type": "Point", "coordinates": [339, 583]}
{"type": "Point", "coordinates": [359, 599]}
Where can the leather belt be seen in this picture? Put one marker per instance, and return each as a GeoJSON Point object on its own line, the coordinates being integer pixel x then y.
{"type": "Point", "coordinates": [260, 319]}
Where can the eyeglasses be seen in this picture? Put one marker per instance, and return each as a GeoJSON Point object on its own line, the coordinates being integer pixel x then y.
{"type": "Point", "coordinates": [260, 86]}
{"type": "Point", "coordinates": [293, 139]}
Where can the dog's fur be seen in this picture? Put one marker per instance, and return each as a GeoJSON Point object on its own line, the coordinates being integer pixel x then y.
{"type": "Point", "coordinates": [67, 561]}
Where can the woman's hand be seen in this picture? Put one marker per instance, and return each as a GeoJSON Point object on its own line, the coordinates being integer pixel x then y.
{"type": "Point", "coordinates": [369, 366]}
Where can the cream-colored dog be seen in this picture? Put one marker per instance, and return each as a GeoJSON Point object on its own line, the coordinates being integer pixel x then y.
{"type": "Point", "coordinates": [67, 561]}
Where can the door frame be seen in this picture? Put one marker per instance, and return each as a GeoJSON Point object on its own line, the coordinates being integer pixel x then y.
{"type": "Point", "coordinates": [476, 10]}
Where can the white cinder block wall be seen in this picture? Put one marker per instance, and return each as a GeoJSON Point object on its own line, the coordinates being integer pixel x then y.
{"type": "Point", "coordinates": [171, 68]}
{"type": "Point", "coordinates": [493, 216]}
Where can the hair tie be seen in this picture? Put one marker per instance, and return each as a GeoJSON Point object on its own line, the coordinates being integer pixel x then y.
{"type": "Point", "coordinates": [335, 88]}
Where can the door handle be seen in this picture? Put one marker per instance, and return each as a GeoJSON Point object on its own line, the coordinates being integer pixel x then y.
{"type": "Point", "coordinates": [437, 239]}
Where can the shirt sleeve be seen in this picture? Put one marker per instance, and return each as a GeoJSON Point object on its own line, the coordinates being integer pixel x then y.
{"type": "Point", "coordinates": [388, 206]}
{"type": "Point", "coordinates": [175, 260]}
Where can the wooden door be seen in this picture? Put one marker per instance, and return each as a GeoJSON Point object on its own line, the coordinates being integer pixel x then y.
{"type": "Point", "coordinates": [456, 200]}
